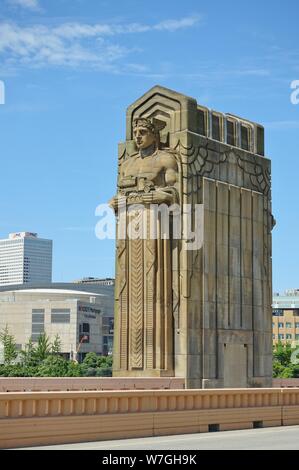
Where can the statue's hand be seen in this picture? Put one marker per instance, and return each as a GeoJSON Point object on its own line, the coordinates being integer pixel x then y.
{"type": "Point", "coordinates": [113, 202]}
{"type": "Point", "coordinates": [156, 197]}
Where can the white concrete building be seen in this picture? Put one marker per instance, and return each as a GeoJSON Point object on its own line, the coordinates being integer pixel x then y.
{"type": "Point", "coordinates": [75, 316]}
{"type": "Point", "coordinates": [25, 258]}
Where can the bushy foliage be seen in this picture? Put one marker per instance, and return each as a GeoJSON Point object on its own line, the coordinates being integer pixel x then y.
{"type": "Point", "coordinates": [9, 346]}
{"type": "Point", "coordinates": [283, 366]}
{"type": "Point", "coordinates": [44, 360]}
{"type": "Point", "coordinates": [93, 365]}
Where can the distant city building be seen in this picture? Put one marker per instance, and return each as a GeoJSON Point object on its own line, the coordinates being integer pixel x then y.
{"type": "Point", "coordinates": [83, 320]}
{"type": "Point", "coordinates": [94, 280]}
{"type": "Point", "coordinates": [25, 258]}
{"type": "Point", "coordinates": [292, 292]}
{"type": "Point", "coordinates": [285, 317]}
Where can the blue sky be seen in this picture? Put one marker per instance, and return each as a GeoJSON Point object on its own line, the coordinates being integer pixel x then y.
{"type": "Point", "coordinates": [71, 67]}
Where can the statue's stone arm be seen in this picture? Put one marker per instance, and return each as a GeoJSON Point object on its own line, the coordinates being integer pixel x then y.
{"type": "Point", "coordinates": [160, 195]}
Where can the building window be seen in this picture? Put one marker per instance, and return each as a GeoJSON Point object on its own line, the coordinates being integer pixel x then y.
{"type": "Point", "coordinates": [216, 130]}
{"type": "Point", "coordinates": [107, 326]}
{"type": "Point", "coordinates": [85, 328]}
{"type": "Point", "coordinates": [38, 323]}
{"type": "Point", "coordinates": [60, 315]}
{"type": "Point", "coordinates": [202, 131]}
{"type": "Point", "coordinates": [84, 333]}
{"type": "Point", "coordinates": [230, 133]}
{"type": "Point", "coordinates": [273, 336]}
{"type": "Point", "coordinates": [260, 140]}
{"type": "Point", "coordinates": [280, 325]}
{"type": "Point", "coordinates": [297, 336]}
{"type": "Point", "coordinates": [273, 324]}
{"type": "Point", "coordinates": [107, 345]}
{"type": "Point", "coordinates": [278, 312]}
{"type": "Point", "coordinates": [280, 336]}
{"type": "Point", "coordinates": [288, 325]}
{"type": "Point", "coordinates": [288, 336]}
{"type": "Point", "coordinates": [245, 134]}
{"type": "Point", "coordinates": [296, 325]}
{"type": "Point", "coordinates": [38, 328]}
{"type": "Point", "coordinates": [38, 318]}
{"type": "Point", "coordinates": [60, 310]}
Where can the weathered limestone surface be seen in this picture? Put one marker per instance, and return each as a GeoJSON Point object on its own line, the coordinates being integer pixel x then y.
{"type": "Point", "coordinates": [202, 314]}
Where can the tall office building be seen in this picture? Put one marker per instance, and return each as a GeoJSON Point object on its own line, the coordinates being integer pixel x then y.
{"type": "Point", "coordinates": [25, 258]}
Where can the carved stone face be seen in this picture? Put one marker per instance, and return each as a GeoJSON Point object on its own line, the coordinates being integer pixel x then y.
{"type": "Point", "coordinates": [143, 137]}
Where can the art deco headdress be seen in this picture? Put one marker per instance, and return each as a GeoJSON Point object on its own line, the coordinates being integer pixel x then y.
{"type": "Point", "coordinates": [153, 124]}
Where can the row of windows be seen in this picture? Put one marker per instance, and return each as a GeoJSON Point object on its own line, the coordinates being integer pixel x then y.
{"type": "Point", "coordinates": [231, 130]}
{"type": "Point", "coordinates": [11, 244]}
{"type": "Point", "coordinates": [287, 325]}
{"type": "Point", "coordinates": [108, 325]}
{"type": "Point", "coordinates": [280, 312]}
{"type": "Point", "coordinates": [38, 324]}
{"type": "Point", "coordinates": [53, 310]}
{"type": "Point", "coordinates": [58, 315]}
{"type": "Point", "coordinates": [10, 267]}
{"type": "Point", "coordinates": [286, 336]}
{"type": "Point", "coordinates": [60, 318]}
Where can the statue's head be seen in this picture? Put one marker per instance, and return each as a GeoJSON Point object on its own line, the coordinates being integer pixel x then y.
{"type": "Point", "coordinates": [146, 132]}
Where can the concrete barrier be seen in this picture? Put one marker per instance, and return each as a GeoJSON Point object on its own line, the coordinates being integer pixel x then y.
{"type": "Point", "coordinates": [39, 384]}
{"type": "Point", "coordinates": [42, 418]}
{"type": "Point", "coordinates": [285, 383]}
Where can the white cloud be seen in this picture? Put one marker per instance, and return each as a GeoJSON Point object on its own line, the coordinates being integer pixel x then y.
{"type": "Point", "coordinates": [174, 25]}
{"type": "Point", "coordinates": [30, 4]}
{"type": "Point", "coordinates": [73, 44]}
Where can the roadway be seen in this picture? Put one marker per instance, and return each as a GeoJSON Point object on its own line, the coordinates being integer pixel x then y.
{"type": "Point", "coordinates": [278, 438]}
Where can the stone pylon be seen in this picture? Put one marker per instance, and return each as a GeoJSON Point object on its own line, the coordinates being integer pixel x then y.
{"type": "Point", "coordinates": [198, 306]}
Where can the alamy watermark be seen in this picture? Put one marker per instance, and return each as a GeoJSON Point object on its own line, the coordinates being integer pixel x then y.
{"type": "Point", "coordinates": [2, 92]}
{"type": "Point", "coordinates": [152, 222]}
{"type": "Point", "coordinates": [295, 94]}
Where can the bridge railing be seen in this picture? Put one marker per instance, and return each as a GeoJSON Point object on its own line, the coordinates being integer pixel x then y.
{"type": "Point", "coordinates": [36, 418]}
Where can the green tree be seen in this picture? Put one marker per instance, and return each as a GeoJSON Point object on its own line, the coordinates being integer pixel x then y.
{"type": "Point", "coordinates": [28, 355]}
{"type": "Point", "coordinates": [283, 367]}
{"type": "Point", "coordinates": [53, 366]}
{"type": "Point", "coordinates": [94, 365]}
{"type": "Point", "coordinates": [44, 360]}
{"type": "Point", "coordinates": [74, 369]}
{"type": "Point", "coordinates": [90, 360]}
{"type": "Point", "coordinates": [9, 346]}
{"type": "Point", "coordinates": [43, 348]}
{"type": "Point", "coordinates": [104, 361]}
{"type": "Point", "coordinates": [282, 353]}
{"type": "Point", "coordinates": [56, 345]}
